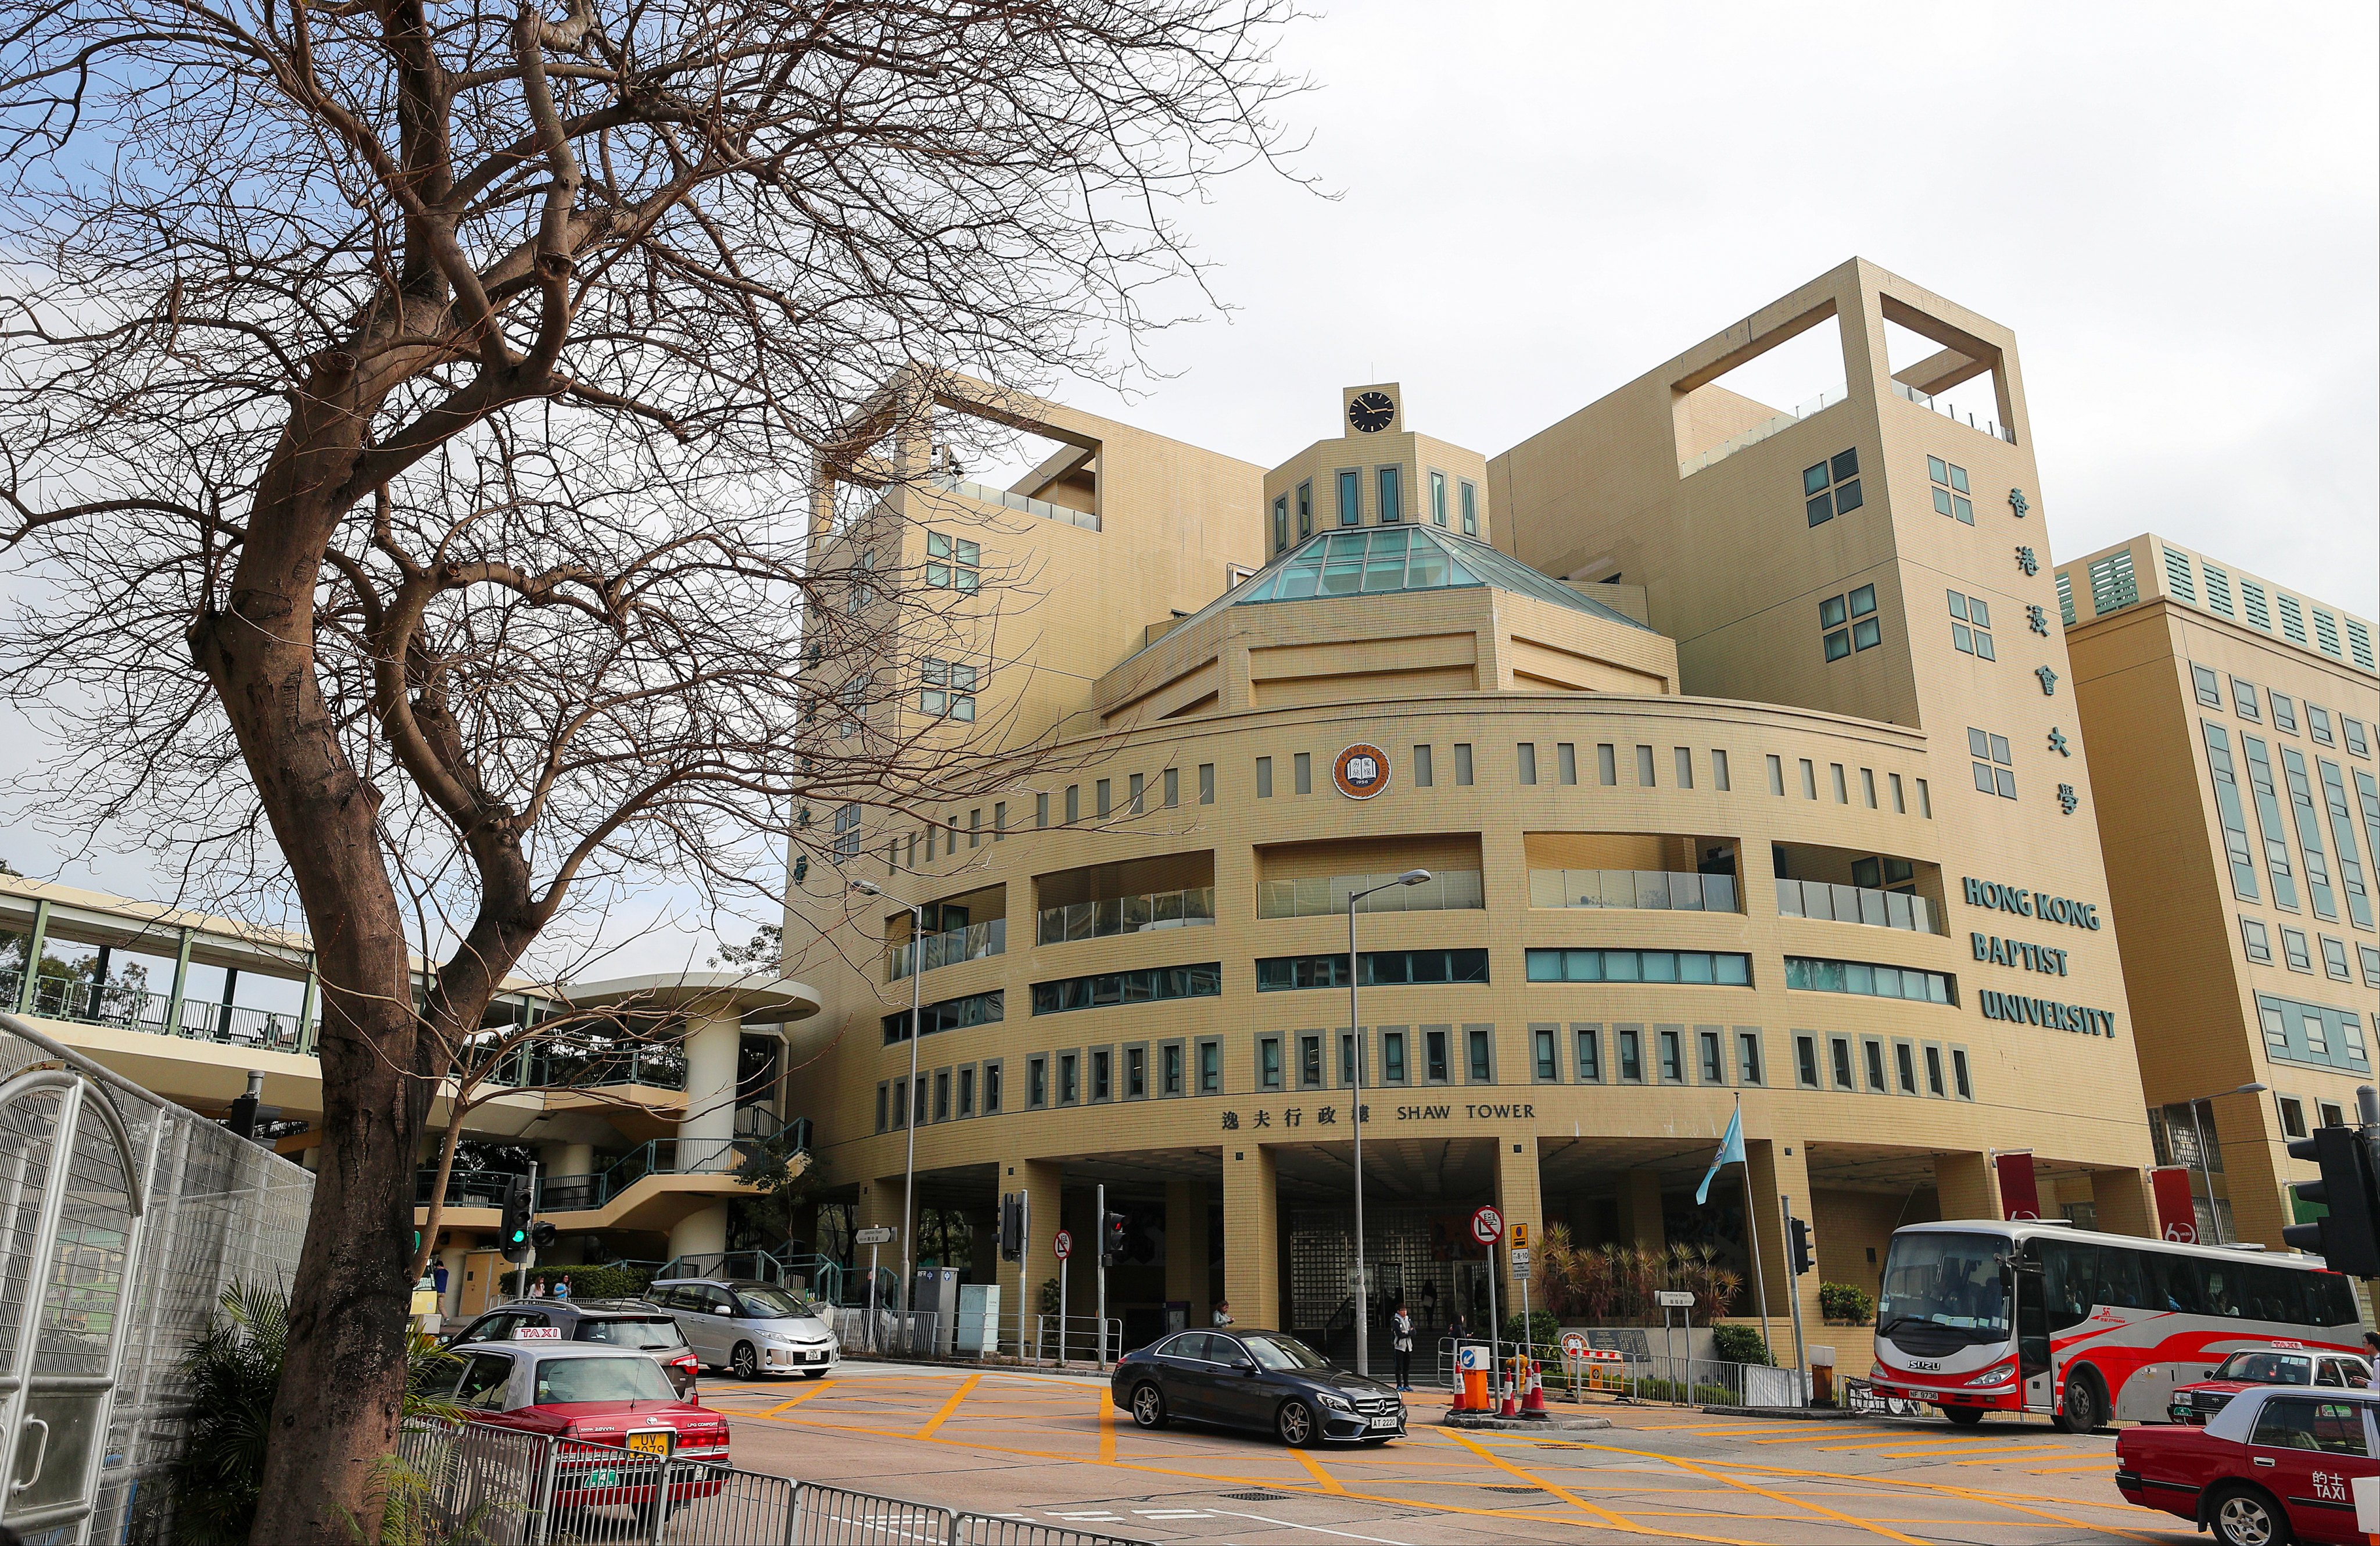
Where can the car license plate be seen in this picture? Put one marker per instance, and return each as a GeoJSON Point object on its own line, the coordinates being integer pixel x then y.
{"type": "Point", "coordinates": [604, 1477]}
{"type": "Point", "coordinates": [1384, 1420]}
{"type": "Point", "coordinates": [654, 1442]}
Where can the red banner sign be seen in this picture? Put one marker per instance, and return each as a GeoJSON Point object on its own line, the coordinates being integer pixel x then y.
{"type": "Point", "coordinates": [2020, 1198]}
{"type": "Point", "coordinates": [2176, 1214]}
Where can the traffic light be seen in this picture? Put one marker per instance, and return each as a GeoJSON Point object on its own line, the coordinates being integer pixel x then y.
{"type": "Point", "coordinates": [1805, 1249]}
{"type": "Point", "coordinates": [1111, 1239]}
{"type": "Point", "coordinates": [541, 1234]}
{"type": "Point", "coordinates": [516, 1243]}
{"type": "Point", "coordinates": [1011, 1226]}
{"type": "Point", "coordinates": [2348, 1238]}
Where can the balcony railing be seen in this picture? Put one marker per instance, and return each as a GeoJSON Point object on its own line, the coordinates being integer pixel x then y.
{"type": "Point", "coordinates": [1647, 890]}
{"type": "Point", "coordinates": [564, 1194]}
{"type": "Point", "coordinates": [1006, 500]}
{"type": "Point", "coordinates": [64, 998]}
{"type": "Point", "coordinates": [1445, 890]}
{"type": "Point", "coordinates": [1944, 407]}
{"type": "Point", "coordinates": [1855, 904]}
{"type": "Point", "coordinates": [656, 1067]}
{"type": "Point", "coordinates": [1186, 909]}
{"type": "Point", "coordinates": [974, 942]}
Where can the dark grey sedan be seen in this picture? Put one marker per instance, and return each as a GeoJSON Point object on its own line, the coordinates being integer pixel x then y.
{"type": "Point", "coordinates": [1267, 1381]}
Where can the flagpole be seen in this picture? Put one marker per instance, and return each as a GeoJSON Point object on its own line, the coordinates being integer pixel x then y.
{"type": "Point", "coordinates": [1752, 1223]}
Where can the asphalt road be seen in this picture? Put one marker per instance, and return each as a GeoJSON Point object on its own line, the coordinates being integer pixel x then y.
{"type": "Point", "coordinates": [1051, 1448]}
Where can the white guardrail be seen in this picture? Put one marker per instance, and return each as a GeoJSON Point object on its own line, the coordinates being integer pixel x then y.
{"type": "Point", "coordinates": [488, 1486]}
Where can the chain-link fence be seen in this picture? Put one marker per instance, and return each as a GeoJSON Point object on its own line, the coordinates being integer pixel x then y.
{"type": "Point", "coordinates": [123, 1218]}
{"type": "Point", "coordinates": [488, 1486]}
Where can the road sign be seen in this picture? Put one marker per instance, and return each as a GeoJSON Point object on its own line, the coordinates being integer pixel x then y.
{"type": "Point", "coordinates": [1673, 1298]}
{"type": "Point", "coordinates": [1520, 1265]}
{"type": "Point", "coordinates": [1064, 1245]}
{"type": "Point", "coordinates": [876, 1235]}
{"type": "Point", "coordinates": [1520, 1236]}
{"type": "Point", "coordinates": [1487, 1225]}
{"type": "Point", "coordinates": [1573, 1345]}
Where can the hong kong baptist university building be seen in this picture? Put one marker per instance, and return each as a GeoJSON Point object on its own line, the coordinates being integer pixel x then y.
{"type": "Point", "coordinates": [1744, 749]}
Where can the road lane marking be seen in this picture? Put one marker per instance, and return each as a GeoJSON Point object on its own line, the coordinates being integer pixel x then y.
{"type": "Point", "coordinates": [1317, 1530]}
{"type": "Point", "coordinates": [1107, 1426]}
{"type": "Point", "coordinates": [1328, 1482]}
{"type": "Point", "coordinates": [966, 1388]}
{"type": "Point", "coordinates": [1789, 1500]}
{"type": "Point", "coordinates": [821, 1385]}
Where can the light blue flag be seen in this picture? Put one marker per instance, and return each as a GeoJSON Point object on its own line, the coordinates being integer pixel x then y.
{"type": "Point", "coordinates": [1730, 1149]}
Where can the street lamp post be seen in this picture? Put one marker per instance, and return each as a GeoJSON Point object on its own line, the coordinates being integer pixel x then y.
{"type": "Point", "coordinates": [2215, 1214]}
{"type": "Point", "coordinates": [911, 1101]}
{"type": "Point", "coordinates": [1355, 1045]}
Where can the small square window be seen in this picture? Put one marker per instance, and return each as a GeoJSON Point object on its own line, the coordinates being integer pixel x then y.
{"type": "Point", "coordinates": [1978, 612]}
{"type": "Point", "coordinates": [1978, 743]}
{"type": "Point", "coordinates": [2004, 784]}
{"type": "Point", "coordinates": [1983, 646]}
{"type": "Point", "coordinates": [1864, 600]}
{"type": "Point", "coordinates": [1830, 613]}
{"type": "Point", "coordinates": [1846, 464]}
{"type": "Point", "coordinates": [2000, 749]}
{"type": "Point", "coordinates": [1814, 479]}
{"type": "Point", "coordinates": [1822, 509]}
{"type": "Point", "coordinates": [1849, 498]}
{"type": "Point", "coordinates": [2292, 1117]}
{"type": "Point", "coordinates": [1839, 644]}
{"type": "Point", "coordinates": [1937, 470]}
{"type": "Point", "coordinates": [1962, 509]}
{"type": "Point", "coordinates": [1958, 605]}
{"type": "Point", "coordinates": [1962, 639]}
{"type": "Point", "coordinates": [1866, 634]}
{"type": "Point", "coordinates": [1959, 478]}
{"type": "Point", "coordinates": [1942, 502]}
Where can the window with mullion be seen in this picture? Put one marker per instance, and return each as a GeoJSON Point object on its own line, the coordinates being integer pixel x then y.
{"type": "Point", "coordinates": [1831, 487]}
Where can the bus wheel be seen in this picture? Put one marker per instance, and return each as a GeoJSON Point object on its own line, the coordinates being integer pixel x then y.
{"type": "Point", "coordinates": [2085, 1407]}
{"type": "Point", "coordinates": [1963, 1417]}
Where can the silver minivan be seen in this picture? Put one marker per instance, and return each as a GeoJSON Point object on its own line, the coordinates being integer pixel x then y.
{"type": "Point", "coordinates": [748, 1328]}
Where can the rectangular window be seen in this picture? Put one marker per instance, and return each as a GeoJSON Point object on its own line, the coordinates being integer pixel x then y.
{"type": "Point", "coordinates": [2265, 792]}
{"type": "Point", "coordinates": [1280, 523]}
{"type": "Point", "coordinates": [975, 828]}
{"type": "Point", "coordinates": [2333, 959]}
{"type": "Point", "coordinates": [942, 1096]}
{"type": "Point", "coordinates": [2292, 617]}
{"type": "Point", "coordinates": [1435, 1068]}
{"type": "Point", "coordinates": [1899, 806]}
{"type": "Point", "coordinates": [1470, 508]}
{"type": "Point", "coordinates": [1169, 1069]}
{"type": "Point", "coordinates": [1138, 985]}
{"type": "Point", "coordinates": [2332, 1117]}
{"type": "Point", "coordinates": [2292, 1117]}
{"type": "Point", "coordinates": [1842, 794]}
{"type": "Point", "coordinates": [1309, 1061]}
{"type": "Point", "coordinates": [2369, 956]}
{"type": "Point", "coordinates": [1135, 1073]}
{"type": "Point", "coordinates": [1528, 762]}
{"type": "Point", "coordinates": [2113, 585]}
{"type": "Point", "coordinates": [2284, 712]}
{"type": "Point", "coordinates": [992, 1080]}
{"type": "Point", "coordinates": [1684, 759]}
{"type": "Point", "coordinates": [1924, 800]}
{"type": "Point", "coordinates": [1346, 1061]}
{"type": "Point", "coordinates": [966, 1090]}
{"type": "Point", "coordinates": [1950, 490]}
{"type": "Point", "coordinates": [1959, 1074]}
{"type": "Point", "coordinates": [1695, 968]}
{"type": "Point", "coordinates": [1566, 762]}
{"type": "Point", "coordinates": [1425, 775]}
{"type": "Point", "coordinates": [1631, 1043]}
{"type": "Point", "coordinates": [1210, 1068]}
{"type": "Point", "coordinates": [1831, 487]}
{"type": "Point", "coordinates": [2295, 949]}
{"type": "Point", "coordinates": [1718, 770]}
{"type": "Point", "coordinates": [1839, 1049]}
{"type": "Point", "coordinates": [1438, 498]}
{"type": "Point", "coordinates": [1586, 1042]}
{"type": "Point", "coordinates": [1993, 774]}
{"type": "Point", "coordinates": [2311, 1033]}
{"type": "Point", "coordinates": [1809, 779]}
{"type": "Point", "coordinates": [2219, 589]}
{"type": "Point", "coordinates": [1607, 765]}
{"type": "Point", "coordinates": [1304, 763]}
{"type": "Point", "coordinates": [1073, 803]}
{"type": "Point", "coordinates": [2257, 940]}
{"type": "Point", "coordinates": [1776, 775]}
{"type": "Point", "coordinates": [1105, 786]}
{"type": "Point", "coordinates": [1673, 1056]}
{"type": "Point", "coordinates": [2210, 690]}
{"type": "Point", "coordinates": [2342, 832]}
{"type": "Point", "coordinates": [2177, 575]}
{"type": "Point", "coordinates": [1806, 1062]}
{"type": "Point", "coordinates": [1392, 1057]}
{"type": "Point", "coordinates": [1305, 509]}
{"type": "Point", "coordinates": [1172, 787]}
{"type": "Point", "coordinates": [2310, 837]}
{"type": "Point", "coordinates": [1934, 1072]}
{"type": "Point", "coordinates": [1971, 625]}
{"type": "Point", "coordinates": [1872, 1055]}
{"type": "Point", "coordinates": [1462, 762]}
{"type": "Point", "coordinates": [881, 1091]}
{"type": "Point", "coordinates": [2354, 730]}
{"type": "Point", "coordinates": [1905, 1065]}
{"type": "Point", "coordinates": [1870, 979]}
{"type": "Point", "coordinates": [1070, 1078]}
{"type": "Point", "coordinates": [1714, 1066]}
{"type": "Point", "coordinates": [2243, 701]}
{"type": "Point", "coordinates": [1545, 1053]}
{"type": "Point", "coordinates": [1481, 1064]}
{"type": "Point", "coordinates": [1867, 786]}
{"type": "Point", "coordinates": [1393, 503]}
{"type": "Point", "coordinates": [1036, 1081]}
{"type": "Point", "coordinates": [1041, 810]}
{"type": "Point", "coordinates": [1643, 767]}
{"type": "Point", "coordinates": [1351, 498]}
{"type": "Point", "coordinates": [2318, 723]}
{"type": "Point", "coordinates": [952, 563]}
{"type": "Point", "coordinates": [1264, 778]}
{"type": "Point", "coordinates": [1268, 1062]}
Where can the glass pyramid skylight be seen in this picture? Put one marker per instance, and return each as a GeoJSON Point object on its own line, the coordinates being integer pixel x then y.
{"type": "Point", "coordinates": [1383, 560]}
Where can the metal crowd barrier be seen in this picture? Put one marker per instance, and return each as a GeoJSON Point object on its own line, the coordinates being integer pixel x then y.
{"type": "Point", "coordinates": [1064, 1337]}
{"type": "Point", "coordinates": [482, 1485]}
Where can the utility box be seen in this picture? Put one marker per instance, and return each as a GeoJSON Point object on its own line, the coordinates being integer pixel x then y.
{"type": "Point", "coordinates": [979, 1321]}
{"type": "Point", "coordinates": [936, 1294]}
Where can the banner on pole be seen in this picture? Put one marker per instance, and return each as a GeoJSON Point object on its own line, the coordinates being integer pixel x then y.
{"type": "Point", "coordinates": [2176, 1213]}
{"type": "Point", "coordinates": [2019, 1194]}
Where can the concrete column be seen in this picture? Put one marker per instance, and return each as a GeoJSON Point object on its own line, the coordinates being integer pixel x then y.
{"type": "Point", "coordinates": [1965, 1181]}
{"type": "Point", "coordinates": [1520, 1198]}
{"type": "Point", "coordinates": [1042, 1182]}
{"type": "Point", "coordinates": [712, 1041]}
{"type": "Point", "coordinates": [1186, 1247]}
{"type": "Point", "coordinates": [1640, 1211]}
{"type": "Point", "coordinates": [700, 1233]}
{"type": "Point", "coordinates": [1252, 1224]}
{"type": "Point", "coordinates": [2122, 1202]}
{"type": "Point", "coordinates": [558, 1160]}
{"type": "Point", "coordinates": [1775, 1166]}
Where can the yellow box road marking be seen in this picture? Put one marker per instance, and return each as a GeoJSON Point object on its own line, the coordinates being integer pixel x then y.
{"type": "Point", "coordinates": [1328, 1482]}
{"type": "Point", "coordinates": [966, 1388]}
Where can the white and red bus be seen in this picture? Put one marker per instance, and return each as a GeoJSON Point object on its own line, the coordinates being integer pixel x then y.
{"type": "Point", "coordinates": [1980, 1316]}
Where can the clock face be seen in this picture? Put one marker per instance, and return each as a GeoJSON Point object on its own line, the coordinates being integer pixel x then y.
{"type": "Point", "coordinates": [1371, 411]}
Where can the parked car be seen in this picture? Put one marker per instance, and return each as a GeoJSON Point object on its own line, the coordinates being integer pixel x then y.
{"type": "Point", "coordinates": [2275, 1464]}
{"type": "Point", "coordinates": [593, 1396]}
{"type": "Point", "coordinates": [631, 1324]}
{"type": "Point", "coordinates": [1265, 1380]}
{"type": "Point", "coordinates": [748, 1328]}
{"type": "Point", "coordinates": [2279, 1363]}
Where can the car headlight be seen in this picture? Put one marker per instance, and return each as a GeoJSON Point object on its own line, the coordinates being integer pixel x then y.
{"type": "Point", "coordinates": [1336, 1403]}
{"type": "Point", "coordinates": [1998, 1374]}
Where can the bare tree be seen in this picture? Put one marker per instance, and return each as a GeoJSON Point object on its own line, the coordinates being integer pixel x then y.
{"type": "Point", "coordinates": [403, 413]}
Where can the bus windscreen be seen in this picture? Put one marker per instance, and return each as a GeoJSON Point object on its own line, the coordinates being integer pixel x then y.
{"type": "Point", "coordinates": [1948, 1280]}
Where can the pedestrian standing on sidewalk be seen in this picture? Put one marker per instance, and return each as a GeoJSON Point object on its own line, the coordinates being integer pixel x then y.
{"type": "Point", "coordinates": [1222, 1312]}
{"type": "Point", "coordinates": [1401, 1326]}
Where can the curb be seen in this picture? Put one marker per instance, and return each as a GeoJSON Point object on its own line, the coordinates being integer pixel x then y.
{"type": "Point", "coordinates": [1786, 1414]}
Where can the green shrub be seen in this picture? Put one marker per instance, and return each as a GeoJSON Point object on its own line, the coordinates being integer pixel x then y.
{"type": "Point", "coordinates": [1675, 1391]}
{"type": "Point", "coordinates": [1741, 1344]}
{"type": "Point", "coordinates": [1846, 1304]}
{"type": "Point", "coordinates": [595, 1282]}
{"type": "Point", "coordinates": [1543, 1328]}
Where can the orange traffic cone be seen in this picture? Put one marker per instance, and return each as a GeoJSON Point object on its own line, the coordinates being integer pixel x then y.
{"type": "Point", "coordinates": [1532, 1405]}
{"type": "Point", "coordinates": [1511, 1407]}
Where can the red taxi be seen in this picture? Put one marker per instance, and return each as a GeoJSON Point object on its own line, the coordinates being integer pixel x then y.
{"type": "Point", "coordinates": [2275, 1464]}
{"type": "Point", "coordinates": [2277, 1363]}
{"type": "Point", "coordinates": [606, 1399]}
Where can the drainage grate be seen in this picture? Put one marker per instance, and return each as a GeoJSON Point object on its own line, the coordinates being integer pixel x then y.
{"type": "Point", "coordinates": [1259, 1497]}
{"type": "Point", "coordinates": [1514, 1488]}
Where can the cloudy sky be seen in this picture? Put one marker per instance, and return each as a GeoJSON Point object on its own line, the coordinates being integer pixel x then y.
{"type": "Point", "coordinates": [2172, 205]}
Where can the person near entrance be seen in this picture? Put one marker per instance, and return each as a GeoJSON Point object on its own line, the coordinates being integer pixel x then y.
{"type": "Point", "coordinates": [1400, 1327]}
{"type": "Point", "coordinates": [1222, 1312]}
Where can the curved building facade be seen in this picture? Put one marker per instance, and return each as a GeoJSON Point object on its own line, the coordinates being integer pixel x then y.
{"type": "Point", "coordinates": [1720, 800]}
